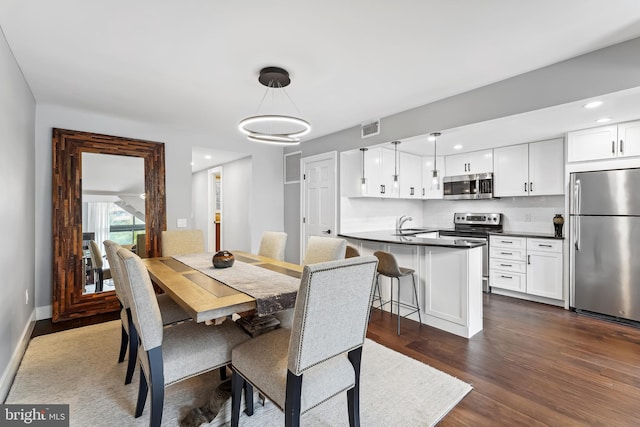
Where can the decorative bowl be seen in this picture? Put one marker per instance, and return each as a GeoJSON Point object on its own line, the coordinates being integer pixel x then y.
{"type": "Point", "coordinates": [222, 259]}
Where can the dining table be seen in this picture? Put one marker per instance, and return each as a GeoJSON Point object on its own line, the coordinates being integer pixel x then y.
{"type": "Point", "coordinates": [210, 295]}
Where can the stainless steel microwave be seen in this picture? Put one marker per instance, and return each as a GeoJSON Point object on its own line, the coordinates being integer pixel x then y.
{"type": "Point", "coordinates": [476, 186]}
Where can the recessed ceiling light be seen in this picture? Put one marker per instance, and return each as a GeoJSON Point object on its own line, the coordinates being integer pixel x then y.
{"type": "Point", "coordinates": [208, 157]}
{"type": "Point", "coordinates": [593, 104]}
{"type": "Point", "coordinates": [193, 163]}
{"type": "Point", "coordinates": [457, 147]}
{"type": "Point", "coordinates": [604, 120]}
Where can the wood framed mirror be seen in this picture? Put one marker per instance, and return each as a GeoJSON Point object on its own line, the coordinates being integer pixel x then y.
{"type": "Point", "coordinates": [70, 301]}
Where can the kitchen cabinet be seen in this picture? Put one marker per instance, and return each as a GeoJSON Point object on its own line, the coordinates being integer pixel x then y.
{"type": "Point", "coordinates": [605, 142]}
{"type": "Point", "coordinates": [533, 169]}
{"type": "Point", "coordinates": [467, 163]}
{"type": "Point", "coordinates": [427, 176]}
{"type": "Point", "coordinates": [379, 167]}
{"type": "Point", "coordinates": [410, 171]}
{"type": "Point", "coordinates": [529, 266]}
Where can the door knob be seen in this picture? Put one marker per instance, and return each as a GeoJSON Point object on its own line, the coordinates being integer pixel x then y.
{"type": "Point", "coordinates": [327, 231]}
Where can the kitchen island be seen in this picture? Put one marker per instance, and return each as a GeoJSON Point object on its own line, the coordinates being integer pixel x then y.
{"type": "Point", "coordinates": [448, 275]}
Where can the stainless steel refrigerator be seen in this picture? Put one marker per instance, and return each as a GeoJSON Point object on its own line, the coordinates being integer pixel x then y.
{"type": "Point", "coordinates": [605, 240]}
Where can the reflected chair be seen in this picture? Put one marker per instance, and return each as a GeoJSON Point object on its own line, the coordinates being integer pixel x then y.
{"type": "Point", "coordinates": [170, 355]}
{"type": "Point", "coordinates": [323, 249]}
{"type": "Point", "coordinates": [272, 244]}
{"type": "Point", "coordinates": [319, 357]}
{"type": "Point", "coordinates": [388, 266]}
{"type": "Point", "coordinates": [351, 252]}
{"type": "Point", "coordinates": [181, 242]}
{"type": "Point", "coordinates": [97, 264]}
{"type": "Point", "coordinates": [169, 311]}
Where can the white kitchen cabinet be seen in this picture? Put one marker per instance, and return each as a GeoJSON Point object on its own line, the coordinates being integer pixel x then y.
{"type": "Point", "coordinates": [389, 168]}
{"type": "Point", "coordinates": [507, 263]}
{"type": "Point", "coordinates": [544, 268]}
{"type": "Point", "coordinates": [468, 163]}
{"type": "Point", "coordinates": [533, 169]}
{"type": "Point", "coordinates": [410, 171]}
{"type": "Point", "coordinates": [428, 192]}
{"type": "Point", "coordinates": [605, 142]}
{"type": "Point", "coordinates": [379, 167]}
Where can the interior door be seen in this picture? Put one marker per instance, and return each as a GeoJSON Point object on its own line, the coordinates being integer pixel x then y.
{"type": "Point", "coordinates": [319, 197]}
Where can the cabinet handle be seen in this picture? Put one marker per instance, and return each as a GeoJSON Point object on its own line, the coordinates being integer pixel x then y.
{"type": "Point", "coordinates": [506, 253]}
{"type": "Point", "coordinates": [525, 187]}
{"type": "Point", "coordinates": [506, 277]}
{"type": "Point", "coordinates": [506, 265]}
{"type": "Point", "coordinates": [411, 191]}
{"type": "Point", "coordinates": [621, 147]}
{"type": "Point", "coordinates": [382, 189]}
{"type": "Point", "coordinates": [469, 164]}
{"type": "Point", "coordinates": [613, 147]}
{"type": "Point", "coordinates": [529, 259]}
{"type": "Point", "coordinates": [531, 187]}
{"type": "Point", "coordinates": [506, 241]}
{"type": "Point", "coordinates": [544, 246]}
{"type": "Point", "coordinates": [465, 167]}
{"type": "Point", "coordinates": [423, 191]}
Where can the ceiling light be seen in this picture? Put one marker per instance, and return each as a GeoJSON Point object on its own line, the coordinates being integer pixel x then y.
{"type": "Point", "coordinates": [593, 104]}
{"type": "Point", "coordinates": [604, 120]}
{"type": "Point", "coordinates": [208, 157]}
{"type": "Point", "coordinates": [193, 163]}
{"type": "Point", "coordinates": [435, 175]}
{"type": "Point", "coordinates": [457, 147]}
{"type": "Point", "coordinates": [395, 166]}
{"type": "Point", "coordinates": [363, 180]}
{"type": "Point", "coordinates": [280, 129]}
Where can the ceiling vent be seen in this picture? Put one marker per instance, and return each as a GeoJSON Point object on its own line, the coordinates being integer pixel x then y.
{"type": "Point", "coordinates": [370, 129]}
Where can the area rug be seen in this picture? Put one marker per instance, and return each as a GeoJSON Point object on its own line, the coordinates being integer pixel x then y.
{"type": "Point", "coordinates": [79, 367]}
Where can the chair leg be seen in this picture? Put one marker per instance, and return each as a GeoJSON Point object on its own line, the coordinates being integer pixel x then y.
{"type": "Point", "coordinates": [415, 292]}
{"type": "Point", "coordinates": [99, 282]}
{"type": "Point", "coordinates": [237, 385]}
{"type": "Point", "coordinates": [398, 304]}
{"type": "Point", "coordinates": [391, 294]}
{"type": "Point", "coordinates": [156, 382]}
{"type": "Point", "coordinates": [142, 394]}
{"type": "Point", "coordinates": [353, 395]}
{"type": "Point", "coordinates": [248, 398]}
{"type": "Point", "coordinates": [133, 349]}
{"type": "Point", "coordinates": [223, 373]}
{"type": "Point", "coordinates": [124, 341]}
{"type": "Point", "coordinates": [292, 400]}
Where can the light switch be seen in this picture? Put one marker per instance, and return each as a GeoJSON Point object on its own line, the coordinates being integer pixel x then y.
{"type": "Point", "coordinates": [182, 223]}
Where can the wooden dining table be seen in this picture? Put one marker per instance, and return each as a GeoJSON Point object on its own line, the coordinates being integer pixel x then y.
{"type": "Point", "coordinates": [204, 298]}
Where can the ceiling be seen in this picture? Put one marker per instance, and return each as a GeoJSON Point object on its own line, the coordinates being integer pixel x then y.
{"type": "Point", "coordinates": [194, 63]}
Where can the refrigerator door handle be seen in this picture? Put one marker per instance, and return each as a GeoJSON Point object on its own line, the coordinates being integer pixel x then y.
{"type": "Point", "coordinates": [577, 190]}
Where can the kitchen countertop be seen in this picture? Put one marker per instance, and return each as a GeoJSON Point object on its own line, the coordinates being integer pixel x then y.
{"type": "Point", "coordinates": [388, 236]}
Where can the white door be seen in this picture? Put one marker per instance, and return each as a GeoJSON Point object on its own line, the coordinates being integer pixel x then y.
{"type": "Point", "coordinates": [318, 197]}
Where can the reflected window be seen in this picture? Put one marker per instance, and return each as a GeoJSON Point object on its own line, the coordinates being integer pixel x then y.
{"type": "Point", "coordinates": [124, 227]}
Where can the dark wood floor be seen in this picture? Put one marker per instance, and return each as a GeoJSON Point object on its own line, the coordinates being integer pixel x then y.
{"type": "Point", "coordinates": [532, 365]}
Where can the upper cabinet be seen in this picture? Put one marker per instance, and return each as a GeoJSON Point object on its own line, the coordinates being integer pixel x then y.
{"type": "Point", "coordinates": [428, 190]}
{"type": "Point", "coordinates": [410, 172]}
{"type": "Point", "coordinates": [606, 142]}
{"type": "Point", "coordinates": [378, 169]}
{"type": "Point", "coordinates": [533, 169]}
{"type": "Point", "coordinates": [469, 163]}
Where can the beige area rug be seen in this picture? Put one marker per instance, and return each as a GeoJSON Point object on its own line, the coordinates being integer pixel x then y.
{"type": "Point", "coordinates": [79, 367]}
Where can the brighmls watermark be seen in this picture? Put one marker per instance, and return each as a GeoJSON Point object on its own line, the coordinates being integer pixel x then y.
{"type": "Point", "coordinates": [34, 415]}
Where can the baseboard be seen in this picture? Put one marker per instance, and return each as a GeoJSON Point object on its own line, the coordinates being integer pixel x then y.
{"type": "Point", "coordinates": [9, 373]}
{"type": "Point", "coordinates": [44, 312]}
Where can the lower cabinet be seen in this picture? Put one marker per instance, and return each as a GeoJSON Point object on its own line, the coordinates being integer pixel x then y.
{"type": "Point", "coordinates": [530, 266]}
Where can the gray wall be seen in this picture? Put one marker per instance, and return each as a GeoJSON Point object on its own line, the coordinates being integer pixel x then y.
{"type": "Point", "coordinates": [17, 212]}
{"type": "Point", "coordinates": [235, 220]}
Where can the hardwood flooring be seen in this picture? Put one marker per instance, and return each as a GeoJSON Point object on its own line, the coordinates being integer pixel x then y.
{"type": "Point", "coordinates": [532, 365]}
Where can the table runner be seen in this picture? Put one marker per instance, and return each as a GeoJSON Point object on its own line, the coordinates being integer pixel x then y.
{"type": "Point", "coordinates": [272, 291]}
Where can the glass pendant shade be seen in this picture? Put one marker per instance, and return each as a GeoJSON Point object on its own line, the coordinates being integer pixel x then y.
{"type": "Point", "coordinates": [363, 179]}
{"type": "Point", "coordinates": [435, 175]}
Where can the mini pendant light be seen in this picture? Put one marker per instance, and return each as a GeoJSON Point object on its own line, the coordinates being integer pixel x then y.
{"type": "Point", "coordinates": [363, 180]}
{"type": "Point", "coordinates": [435, 180]}
{"type": "Point", "coordinates": [395, 170]}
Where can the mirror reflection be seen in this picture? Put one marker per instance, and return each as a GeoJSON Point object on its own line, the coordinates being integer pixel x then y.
{"type": "Point", "coordinates": [113, 208]}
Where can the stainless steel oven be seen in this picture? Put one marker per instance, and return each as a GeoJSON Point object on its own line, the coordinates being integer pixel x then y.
{"type": "Point", "coordinates": [476, 227]}
{"type": "Point", "coordinates": [477, 186]}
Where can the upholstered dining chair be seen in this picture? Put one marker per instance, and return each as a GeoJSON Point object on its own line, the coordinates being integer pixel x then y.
{"type": "Point", "coordinates": [169, 311]}
{"type": "Point", "coordinates": [97, 264]}
{"type": "Point", "coordinates": [272, 244]}
{"type": "Point", "coordinates": [301, 367]}
{"type": "Point", "coordinates": [322, 249]}
{"type": "Point", "coordinates": [180, 242]}
{"type": "Point", "coordinates": [170, 355]}
{"type": "Point", "coordinates": [351, 252]}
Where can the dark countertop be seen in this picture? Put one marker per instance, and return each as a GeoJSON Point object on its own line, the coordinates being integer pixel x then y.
{"type": "Point", "coordinates": [387, 236]}
{"type": "Point", "coordinates": [528, 234]}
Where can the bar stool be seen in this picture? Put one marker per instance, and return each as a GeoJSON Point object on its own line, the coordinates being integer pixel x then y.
{"type": "Point", "coordinates": [388, 267]}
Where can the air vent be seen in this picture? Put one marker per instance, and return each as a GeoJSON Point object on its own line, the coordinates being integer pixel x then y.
{"type": "Point", "coordinates": [370, 129]}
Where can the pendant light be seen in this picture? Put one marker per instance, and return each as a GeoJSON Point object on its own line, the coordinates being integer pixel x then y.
{"type": "Point", "coordinates": [279, 129]}
{"type": "Point", "coordinates": [363, 180]}
{"type": "Point", "coordinates": [435, 176]}
{"type": "Point", "coordinates": [395, 166]}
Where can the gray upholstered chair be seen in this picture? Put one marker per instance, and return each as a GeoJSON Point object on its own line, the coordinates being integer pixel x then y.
{"type": "Point", "coordinates": [180, 242]}
{"type": "Point", "coordinates": [272, 244]}
{"type": "Point", "coordinates": [323, 249]}
{"type": "Point", "coordinates": [351, 252]}
{"type": "Point", "coordinates": [388, 266]}
{"type": "Point", "coordinates": [319, 357]}
{"type": "Point", "coordinates": [169, 310]}
{"type": "Point", "coordinates": [97, 264]}
{"type": "Point", "coordinates": [170, 355]}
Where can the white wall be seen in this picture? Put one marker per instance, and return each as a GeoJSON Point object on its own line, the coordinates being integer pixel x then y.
{"type": "Point", "coordinates": [200, 200]}
{"type": "Point", "coordinates": [17, 213]}
{"type": "Point", "coordinates": [265, 183]}
{"type": "Point", "coordinates": [237, 228]}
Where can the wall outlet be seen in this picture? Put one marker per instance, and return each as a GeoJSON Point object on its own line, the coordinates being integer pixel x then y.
{"type": "Point", "coordinates": [26, 296]}
{"type": "Point", "coordinates": [182, 223]}
{"type": "Point", "coordinates": [527, 217]}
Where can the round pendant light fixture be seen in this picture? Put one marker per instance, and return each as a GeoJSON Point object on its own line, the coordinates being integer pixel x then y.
{"type": "Point", "coordinates": [279, 129]}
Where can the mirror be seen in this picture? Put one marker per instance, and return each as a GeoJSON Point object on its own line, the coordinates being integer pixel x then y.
{"type": "Point", "coordinates": [70, 299]}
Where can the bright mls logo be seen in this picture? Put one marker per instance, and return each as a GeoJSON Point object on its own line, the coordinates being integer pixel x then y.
{"type": "Point", "coordinates": [34, 415]}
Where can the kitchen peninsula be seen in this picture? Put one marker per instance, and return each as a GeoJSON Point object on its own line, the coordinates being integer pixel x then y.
{"type": "Point", "coordinates": [448, 275]}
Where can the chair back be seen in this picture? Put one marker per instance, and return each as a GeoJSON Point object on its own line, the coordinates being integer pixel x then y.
{"type": "Point", "coordinates": [111, 248]}
{"type": "Point", "coordinates": [323, 249]}
{"type": "Point", "coordinates": [144, 305]}
{"type": "Point", "coordinates": [331, 311]}
{"type": "Point", "coordinates": [272, 244]}
{"type": "Point", "coordinates": [351, 252]}
{"type": "Point", "coordinates": [180, 242]}
{"type": "Point", "coordinates": [387, 264]}
{"type": "Point", "coordinates": [96, 255]}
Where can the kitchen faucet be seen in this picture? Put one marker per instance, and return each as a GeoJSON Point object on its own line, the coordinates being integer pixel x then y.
{"type": "Point", "coordinates": [400, 222]}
